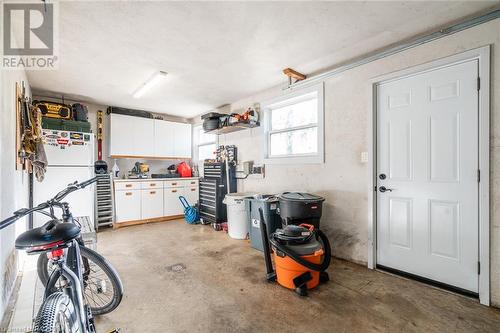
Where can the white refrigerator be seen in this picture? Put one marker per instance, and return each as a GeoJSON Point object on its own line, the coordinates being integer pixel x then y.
{"type": "Point", "coordinates": [70, 157]}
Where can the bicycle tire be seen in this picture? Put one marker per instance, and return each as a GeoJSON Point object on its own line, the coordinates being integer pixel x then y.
{"type": "Point", "coordinates": [56, 314]}
{"type": "Point", "coordinates": [90, 298]}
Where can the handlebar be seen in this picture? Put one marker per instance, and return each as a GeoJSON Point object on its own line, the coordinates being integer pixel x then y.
{"type": "Point", "coordinates": [52, 202]}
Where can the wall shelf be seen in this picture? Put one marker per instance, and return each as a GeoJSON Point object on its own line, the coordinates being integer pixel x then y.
{"type": "Point", "coordinates": [234, 128]}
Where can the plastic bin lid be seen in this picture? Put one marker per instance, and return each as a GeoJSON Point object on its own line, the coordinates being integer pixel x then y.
{"type": "Point", "coordinates": [300, 196]}
{"type": "Point", "coordinates": [263, 197]}
{"type": "Point", "coordinates": [233, 198]}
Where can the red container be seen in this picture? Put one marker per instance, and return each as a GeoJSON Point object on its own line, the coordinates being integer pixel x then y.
{"type": "Point", "coordinates": [184, 170]}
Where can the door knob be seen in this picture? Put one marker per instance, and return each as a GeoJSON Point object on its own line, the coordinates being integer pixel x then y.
{"type": "Point", "coordinates": [384, 189]}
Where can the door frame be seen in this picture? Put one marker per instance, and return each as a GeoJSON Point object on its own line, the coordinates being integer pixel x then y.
{"type": "Point", "coordinates": [482, 54]}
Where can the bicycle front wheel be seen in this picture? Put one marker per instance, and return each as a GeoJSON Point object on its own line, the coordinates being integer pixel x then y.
{"type": "Point", "coordinates": [56, 315]}
{"type": "Point", "coordinates": [103, 289]}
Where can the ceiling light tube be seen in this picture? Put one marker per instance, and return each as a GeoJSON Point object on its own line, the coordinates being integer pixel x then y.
{"type": "Point", "coordinates": [152, 81]}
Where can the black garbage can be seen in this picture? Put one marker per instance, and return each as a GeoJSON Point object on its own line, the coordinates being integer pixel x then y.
{"type": "Point", "coordinates": [269, 205]}
{"type": "Point", "coordinates": [297, 207]}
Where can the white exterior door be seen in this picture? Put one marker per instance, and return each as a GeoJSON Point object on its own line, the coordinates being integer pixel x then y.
{"type": "Point", "coordinates": [427, 159]}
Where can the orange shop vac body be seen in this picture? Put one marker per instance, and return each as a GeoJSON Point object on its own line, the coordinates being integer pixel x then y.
{"type": "Point", "coordinates": [301, 255]}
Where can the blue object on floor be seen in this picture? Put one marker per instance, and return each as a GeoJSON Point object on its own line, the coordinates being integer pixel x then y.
{"type": "Point", "coordinates": [190, 213]}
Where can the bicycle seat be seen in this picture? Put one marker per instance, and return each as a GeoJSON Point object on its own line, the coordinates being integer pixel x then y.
{"type": "Point", "coordinates": [51, 235]}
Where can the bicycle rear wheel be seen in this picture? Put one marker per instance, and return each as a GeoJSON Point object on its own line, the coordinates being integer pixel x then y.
{"type": "Point", "coordinates": [103, 289]}
{"type": "Point", "coordinates": [56, 315]}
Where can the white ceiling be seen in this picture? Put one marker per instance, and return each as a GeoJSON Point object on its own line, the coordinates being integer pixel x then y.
{"type": "Point", "coordinates": [219, 52]}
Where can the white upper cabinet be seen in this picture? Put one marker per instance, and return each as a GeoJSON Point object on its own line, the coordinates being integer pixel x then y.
{"type": "Point", "coordinates": [120, 135]}
{"type": "Point", "coordinates": [144, 137]}
{"type": "Point", "coordinates": [164, 138]}
{"type": "Point", "coordinates": [182, 140]}
{"type": "Point", "coordinates": [131, 136]}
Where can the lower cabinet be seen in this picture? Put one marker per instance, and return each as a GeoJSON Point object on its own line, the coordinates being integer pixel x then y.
{"type": "Point", "coordinates": [191, 194]}
{"type": "Point", "coordinates": [152, 203]}
{"type": "Point", "coordinates": [145, 200]}
{"type": "Point", "coordinates": [128, 205]}
{"type": "Point", "coordinates": [171, 203]}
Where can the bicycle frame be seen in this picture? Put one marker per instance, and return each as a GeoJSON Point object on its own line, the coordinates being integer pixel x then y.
{"type": "Point", "coordinates": [69, 267]}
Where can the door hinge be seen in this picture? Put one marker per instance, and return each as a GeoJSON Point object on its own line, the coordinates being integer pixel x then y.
{"type": "Point", "coordinates": [375, 188]}
{"type": "Point", "coordinates": [478, 83]}
{"type": "Point", "coordinates": [478, 175]}
{"type": "Point", "coordinates": [478, 268]}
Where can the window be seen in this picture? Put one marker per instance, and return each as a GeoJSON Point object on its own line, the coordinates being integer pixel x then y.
{"type": "Point", "coordinates": [294, 127]}
{"type": "Point", "coordinates": [204, 144]}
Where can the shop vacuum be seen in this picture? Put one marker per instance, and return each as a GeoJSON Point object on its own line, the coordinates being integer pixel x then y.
{"type": "Point", "coordinates": [301, 253]}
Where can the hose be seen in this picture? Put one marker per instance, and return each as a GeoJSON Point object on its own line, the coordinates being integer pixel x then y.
{"type": "Point", "coordinates": [296, 257]}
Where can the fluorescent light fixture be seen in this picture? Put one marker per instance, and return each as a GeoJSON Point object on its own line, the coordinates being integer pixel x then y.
{"type": "Point", "coordinates": [152, 81]}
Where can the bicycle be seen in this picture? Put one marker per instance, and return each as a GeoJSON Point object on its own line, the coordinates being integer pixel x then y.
{"type": "Point", "coordinates": [64, 308]}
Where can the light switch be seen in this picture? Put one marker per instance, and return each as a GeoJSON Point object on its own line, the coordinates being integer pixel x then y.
{"type": "Point", "coordinates": [364, 157]}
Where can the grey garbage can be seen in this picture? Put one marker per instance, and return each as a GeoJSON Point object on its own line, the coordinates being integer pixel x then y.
{"type": "Point", "coordinates": [269, 205]}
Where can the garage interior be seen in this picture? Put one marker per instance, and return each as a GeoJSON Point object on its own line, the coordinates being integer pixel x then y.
{"type": "Point", "coordinates": [259, 166]}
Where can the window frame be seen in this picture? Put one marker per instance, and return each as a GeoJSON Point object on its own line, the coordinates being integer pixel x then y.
{"type": "Point", "coordinates": [291, 98]}
{"type": "Point", "coordinates": [197, 144]}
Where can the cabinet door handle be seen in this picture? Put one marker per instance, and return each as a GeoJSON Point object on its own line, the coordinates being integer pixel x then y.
{"type": "Point", "coordinates": [152, 192]}
{"type": "Point", "coordinates": [173, 191]}
{"type": "Point", "coordinates": [128, 193]}
{"type": "Point", "coordinates": [128, 185]}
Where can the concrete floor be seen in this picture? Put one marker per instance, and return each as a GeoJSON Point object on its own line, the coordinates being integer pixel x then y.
{"type": "Point", "coordinates": [222, 289]}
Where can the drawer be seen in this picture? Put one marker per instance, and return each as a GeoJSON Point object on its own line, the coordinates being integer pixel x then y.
{"type": "Point", "coordinates": [174, 183]}
{"type": "Point", "coordinates": [154, 184]}
{"type": "Point", "coordinates": [125, 186]}
{"type": "Point", "coordinates": [191, 182]}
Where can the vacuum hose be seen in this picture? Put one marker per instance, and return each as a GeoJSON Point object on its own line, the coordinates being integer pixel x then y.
{"type": "Point", "coordinates": [295, 256]}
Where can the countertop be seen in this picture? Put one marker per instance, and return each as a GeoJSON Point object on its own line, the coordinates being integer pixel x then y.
{"type": "Point", "coordinates": [152, 179]}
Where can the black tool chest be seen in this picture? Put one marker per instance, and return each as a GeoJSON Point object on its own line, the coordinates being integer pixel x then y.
{"type": "Point", "coordinates": [213, 189]}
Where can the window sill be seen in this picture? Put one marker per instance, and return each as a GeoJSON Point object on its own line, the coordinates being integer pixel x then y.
{"type": "Point", "coordinates": [317, 159]}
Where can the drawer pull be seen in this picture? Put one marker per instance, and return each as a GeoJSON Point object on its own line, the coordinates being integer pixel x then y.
{"type": "Point", "coordinates": [174, 183]}
{"type": "Point", "coordinates": [153, 184]}
{"type": "Point", "coordinates": [128, 193]}
{"type": "Point", "coordinates": [193, 189]}
{"type": "Point", "coordinates": [173, 191]}
{"type": "Point", "coordinates": [152, 192]}
{"type": "Point", "coordinates": [128, 185]}
{"type": "Point", "coordinates": [193, 182]}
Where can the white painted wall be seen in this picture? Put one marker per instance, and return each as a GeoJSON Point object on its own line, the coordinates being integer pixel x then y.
{"type": "Point", "coordinates": [13, 184]}
{"type": "Point", "coordinates": [343, 179]}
